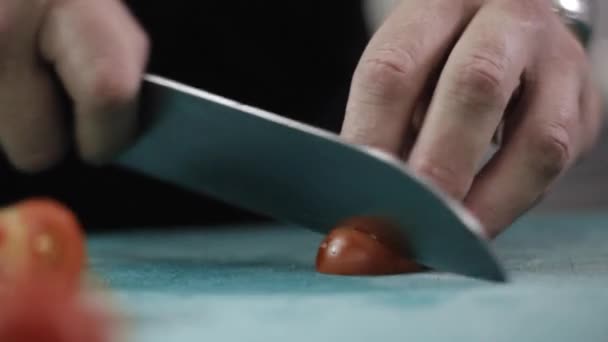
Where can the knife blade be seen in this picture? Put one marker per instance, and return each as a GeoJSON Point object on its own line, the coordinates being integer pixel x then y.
{"type": "Point", "coordinates": [297, 174]}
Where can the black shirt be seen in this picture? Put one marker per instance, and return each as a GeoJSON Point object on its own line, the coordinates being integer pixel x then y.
{"type": "Point", "coordinates": [293, 58]}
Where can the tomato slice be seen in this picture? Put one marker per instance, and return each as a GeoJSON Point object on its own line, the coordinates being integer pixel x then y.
{"type": "Point", "coordinates": [54, 244]}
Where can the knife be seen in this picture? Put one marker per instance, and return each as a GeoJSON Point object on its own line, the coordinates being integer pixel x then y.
{"type": "Point", "coordinates": [298, 174]}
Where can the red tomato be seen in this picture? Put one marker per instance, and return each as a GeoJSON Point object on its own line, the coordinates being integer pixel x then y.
{"type": "Point", "coordinates": [38, 312]}
{"type": "Point", "coordinates": [363, 247]}
{"type": "Point", "coordinates": [43, 239]}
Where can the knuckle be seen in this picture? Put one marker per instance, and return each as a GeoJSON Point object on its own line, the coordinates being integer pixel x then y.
{"type": "Point", "coordinates": [387, 70]}
{"type": "Point", "coordinates": [481, 80]}
{"type": "Point", "coordinates": [112, 87]}
{"type": "Point", "coordinates": [569, 54]}
{"type": "Point", "coordinates": [530, 14]}
{"type": "Point", "coordinates": [553, 148]}
{"type": "Point", "coordinates": [443, 177]}
{"type": "Point", "coordinates": [529, 10]}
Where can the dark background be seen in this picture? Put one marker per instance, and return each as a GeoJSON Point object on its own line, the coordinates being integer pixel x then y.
{"type": "Point", "coordinates": [292, 58]}
{"type": "Point", "coordinates": [295, 59]}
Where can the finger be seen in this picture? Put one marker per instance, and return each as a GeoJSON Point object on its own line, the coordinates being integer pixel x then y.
{"type": "Point", "coordinates": [395, 68]}
{"type": "Point", "coordinates": [414, 126]}
{"type": "Point", "coordinates": [31, 127]}
{"type": "Point", "coordinates": [593, 118]}
{"type": "Point", "coordinates": [540, 142]}
{"type": "Point", "coordinates": [31, 124]}
{"type": "Point", "coordinates": [473, 92]}
{"type": "Point", "coordinates": [100, 54]}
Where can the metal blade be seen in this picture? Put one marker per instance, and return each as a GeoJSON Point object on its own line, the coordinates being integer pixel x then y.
{"type": "Point", "coordinates": [298, 174]}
